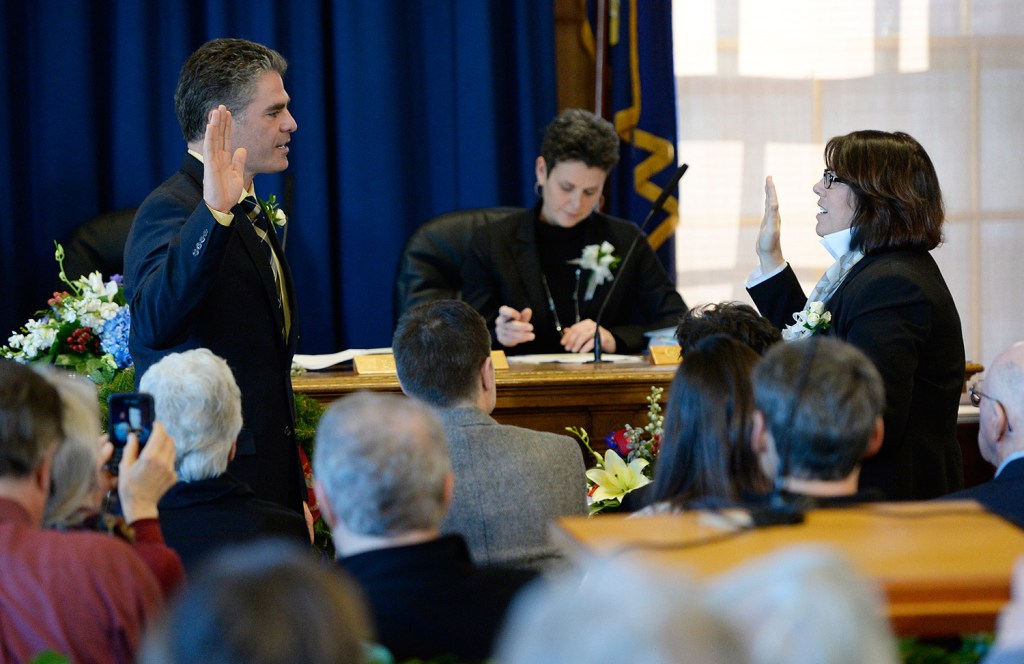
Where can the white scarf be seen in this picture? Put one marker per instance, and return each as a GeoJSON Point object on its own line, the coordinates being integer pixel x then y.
{"type": "Point", "coordinates": [838, 245]}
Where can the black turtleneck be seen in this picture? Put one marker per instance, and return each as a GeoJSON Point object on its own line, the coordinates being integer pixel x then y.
{"type": "Point", "coordinates": [556, 246]}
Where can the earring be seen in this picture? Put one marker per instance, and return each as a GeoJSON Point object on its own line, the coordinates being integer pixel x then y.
{"type": "Point", "coordinates": [538, 189]}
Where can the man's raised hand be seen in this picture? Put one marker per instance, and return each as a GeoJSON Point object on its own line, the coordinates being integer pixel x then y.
{"type": "Point", "coordinates": [223, 171]}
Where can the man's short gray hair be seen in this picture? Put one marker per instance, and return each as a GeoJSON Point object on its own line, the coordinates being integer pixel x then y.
{"type": "Point", "coordinates": [383, 462]}
{"type": "Point", "coordinates": [821, 398]}
{"type": "Point", "coordinates": [199, 403]}
{"type": "Point", "coordinates": [660, 617]}
{"type": "Point", "coordinates": [803, 605]}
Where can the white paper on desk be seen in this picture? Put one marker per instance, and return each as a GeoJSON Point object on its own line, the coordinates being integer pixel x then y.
{"type": "Point", "coordinates": [317, 362]}
{"type": "Point", "coordinates": [571, 358]}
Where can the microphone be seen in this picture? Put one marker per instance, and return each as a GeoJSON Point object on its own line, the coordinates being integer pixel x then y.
{"type": "Point", "coordinates": [659, 202]}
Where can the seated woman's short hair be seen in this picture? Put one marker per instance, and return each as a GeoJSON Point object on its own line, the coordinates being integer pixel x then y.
{"type": "Point", "coordinates": [578, 135]}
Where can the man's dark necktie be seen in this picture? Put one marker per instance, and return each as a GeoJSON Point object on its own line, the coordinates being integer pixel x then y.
{"type": "Point", "coordinates": [261, 224]}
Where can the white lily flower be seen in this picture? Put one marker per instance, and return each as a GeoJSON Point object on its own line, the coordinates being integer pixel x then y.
{"type": "Point", "coordinates": [617, 478]}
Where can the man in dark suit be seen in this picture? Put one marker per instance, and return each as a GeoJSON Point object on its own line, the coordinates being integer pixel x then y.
{"type": "Point", "coordinates": [443, 355]}
{"type": "Point", "coordinates": [203, 266]}
{"type": "Point", "coordinates": [198, 401]}
{"type": "Point", "coordinates": [384, 481]}
{"type": "Point", "coordinates": [1000, 399]}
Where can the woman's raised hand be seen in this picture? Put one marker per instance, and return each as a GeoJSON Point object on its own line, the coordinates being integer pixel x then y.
{"type": "Point", "coordinates": [769, 247]}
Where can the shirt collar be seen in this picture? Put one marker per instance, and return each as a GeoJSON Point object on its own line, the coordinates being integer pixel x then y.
{"type": "Point", "coordinates": [838, 243]}
{"type": "Point", "coordinates": [1006, 462]}
{"type": "Point", "coordinates": [245, 194]}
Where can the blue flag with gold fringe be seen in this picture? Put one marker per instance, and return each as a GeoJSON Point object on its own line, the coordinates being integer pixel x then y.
{"type": "Point", "coordinates": [640, 93]}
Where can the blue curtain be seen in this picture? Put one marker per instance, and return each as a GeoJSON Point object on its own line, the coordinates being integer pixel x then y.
{"type": "Point", "coordinates": [406, 109]}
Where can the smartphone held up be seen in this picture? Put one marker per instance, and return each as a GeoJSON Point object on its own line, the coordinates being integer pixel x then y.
{"type": "Point", "coordinates": [128, 412]}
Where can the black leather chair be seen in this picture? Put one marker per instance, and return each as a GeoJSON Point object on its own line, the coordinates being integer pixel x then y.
{"type": "Point", "coordinates": [431, 261]}
{"type": "Point", "coordinates": [98, 244]}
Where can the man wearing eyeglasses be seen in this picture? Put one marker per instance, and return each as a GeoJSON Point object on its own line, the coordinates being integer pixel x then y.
{"type": "Point", "coordinates": [1000, 400]}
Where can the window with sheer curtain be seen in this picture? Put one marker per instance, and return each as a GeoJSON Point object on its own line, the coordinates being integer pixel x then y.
{"type": "Point", "coordinates": [761, 86]}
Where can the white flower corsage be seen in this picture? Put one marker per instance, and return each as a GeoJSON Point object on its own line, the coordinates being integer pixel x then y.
{"type": "Point", "coordinates": [600, 260]}
{"type": "Point", "coordinates": [811, 320]}
{"type": "Point", "coordinates": [274, 213]}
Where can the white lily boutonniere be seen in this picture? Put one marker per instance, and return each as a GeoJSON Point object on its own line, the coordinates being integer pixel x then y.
{"type": "Point", "coordinates": [617, 478]}
{"type": "Point", "coordinates": [813, 319]}
{"type": "Point", "coordinates": [600, 260]}
{"type": "Point", "coordinates": [274, 213]}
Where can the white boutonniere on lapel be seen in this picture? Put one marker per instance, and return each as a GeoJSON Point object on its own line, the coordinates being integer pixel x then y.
{"type": "Point", "coordinates": [600, 260]}
{"type": "Point", "coordinates": [275, 214]}
{"type": "Point", "coordinates": [813, 319]}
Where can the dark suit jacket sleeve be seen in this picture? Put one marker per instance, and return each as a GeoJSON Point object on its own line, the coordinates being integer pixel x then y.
{"type": "Point", "coordinates": [480, 288]}
{"type": "Point", "coordinates": [779, 297]}
{"type": "Point", "coordinates": [170, 262]}
{"type": "Point", "coordinates": [657, 299]}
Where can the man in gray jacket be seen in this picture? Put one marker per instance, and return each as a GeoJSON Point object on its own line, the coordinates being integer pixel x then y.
{"type": "Point", "coordinates": [510, 482]}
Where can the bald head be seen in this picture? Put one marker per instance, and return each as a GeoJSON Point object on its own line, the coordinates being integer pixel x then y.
{"type": "Point", "coordinates": [1001, 416]}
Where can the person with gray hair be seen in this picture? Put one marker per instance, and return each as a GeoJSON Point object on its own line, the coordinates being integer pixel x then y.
{"type": "Point", "coordinates": [660, 617]}
{"type": "Point", "coordinates": [80, 482]}
{"type": "Point", "coordinates": [83, 595]}
{"type": "Point", "coordinates": [199, 402]}
{"type": "Point", "coordinates": [384, 481]}
{"type": "Point", "coordinates": [443, 356]}
{"type": "Point", "coordinates": [805, 605]}
{"type": "Point", "coordinates": [818, 413]}
{"type": "Point", "coordinates": [1000, 401]}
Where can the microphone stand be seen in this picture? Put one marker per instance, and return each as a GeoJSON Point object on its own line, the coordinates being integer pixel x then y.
{"type": "Point", "coordinates": [658, 204]}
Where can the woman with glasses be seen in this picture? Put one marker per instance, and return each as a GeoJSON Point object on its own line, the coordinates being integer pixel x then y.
{"type": "Point", "coordinates": [541, 277]}
{"type": "Point", "coordinates": [880, 213]}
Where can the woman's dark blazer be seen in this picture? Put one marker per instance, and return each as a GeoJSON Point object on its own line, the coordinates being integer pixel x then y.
{"type": "Point", "coordinates": [895, 306]}
{"type": "Point", "coordinates": [503, 268]}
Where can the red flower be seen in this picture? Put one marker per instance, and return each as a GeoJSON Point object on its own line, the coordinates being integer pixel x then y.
{"type": "Point", "coordinates": [618, 442]}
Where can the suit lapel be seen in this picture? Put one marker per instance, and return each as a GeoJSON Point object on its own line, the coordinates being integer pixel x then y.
{"type": "Point", "coordinates": [527, 266]}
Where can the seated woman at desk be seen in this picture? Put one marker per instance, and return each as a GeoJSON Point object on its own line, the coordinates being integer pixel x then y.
{"type": "Point", "coordinates": [542, 276]}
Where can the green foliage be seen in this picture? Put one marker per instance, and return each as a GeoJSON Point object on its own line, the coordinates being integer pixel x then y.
{"type": "Point", "coordinates": [49, 657]}
{"type": "Point", "coordinates": [121, 381]}
{"type": "Point", "coordinates": [308, 412]}
{"type": "Point", "coordinates": [973, 648]}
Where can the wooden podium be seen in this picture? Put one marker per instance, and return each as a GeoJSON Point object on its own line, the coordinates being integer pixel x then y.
{"type": "Point", "coordinates": [944, 567]}
{"type": "Point", "coordinates": [545, 397]}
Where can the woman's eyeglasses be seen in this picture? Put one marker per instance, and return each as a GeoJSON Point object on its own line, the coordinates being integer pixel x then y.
{"type": "Point", "coordinates": [829, 177]}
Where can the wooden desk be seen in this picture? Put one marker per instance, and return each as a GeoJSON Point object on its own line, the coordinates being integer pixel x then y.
{"type": "Point", "coordinates": [944, 567]}
{"type": "Point", "coordinates": [546, 397]}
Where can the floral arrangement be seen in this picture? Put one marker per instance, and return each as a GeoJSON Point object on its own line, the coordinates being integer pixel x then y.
{"type": "Point", "coordinates": [84, 328]}
{"type": "Point", "coordinates": [274, 213]}
{"type": "Point", "coordinates": [628, 463]}
{"type": "Point", "coordinates": [813, 319]}
{"type": "Point", "coordinates": [600, 260]}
